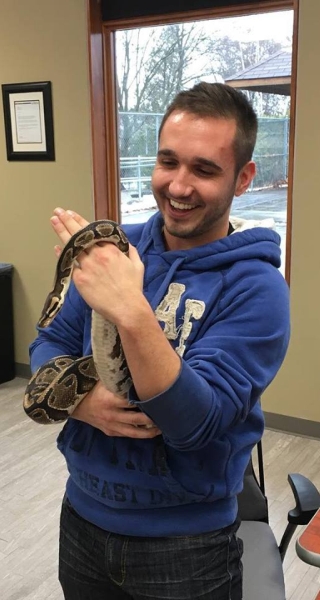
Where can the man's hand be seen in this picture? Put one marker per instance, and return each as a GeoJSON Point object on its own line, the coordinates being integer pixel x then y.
{"type": "Point", "coordinates": [112, 285]}
{"type": "Point", "coordinates": [110, 282]}
{"type": "Point", "coordinates": [113, 415]}
{"type": "Point", "coordinates": [65, 223]}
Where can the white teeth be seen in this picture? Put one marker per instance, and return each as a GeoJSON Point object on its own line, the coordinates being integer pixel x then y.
{"type": "Point", "coordinates": [180, 205]}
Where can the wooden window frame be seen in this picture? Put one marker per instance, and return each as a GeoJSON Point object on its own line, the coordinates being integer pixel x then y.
{"type": "Point", "coordinates": [104, 117]}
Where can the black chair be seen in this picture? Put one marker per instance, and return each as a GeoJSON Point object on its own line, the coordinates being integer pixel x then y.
{"type": "Point", "coordinates": [262, 558]}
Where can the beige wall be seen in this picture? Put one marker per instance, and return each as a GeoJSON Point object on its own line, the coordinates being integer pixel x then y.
{"type": "Point", "coordinates": [43, 40]}
{"type": "Point", "coordinates": [295, 392]}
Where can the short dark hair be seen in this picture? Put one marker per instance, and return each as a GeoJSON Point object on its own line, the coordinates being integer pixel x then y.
{"type": "Point", "coordinates": [222, 101]}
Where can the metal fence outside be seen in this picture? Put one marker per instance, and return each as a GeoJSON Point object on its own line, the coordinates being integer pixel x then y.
{"type": "Point", "coordinates": [138, 140]}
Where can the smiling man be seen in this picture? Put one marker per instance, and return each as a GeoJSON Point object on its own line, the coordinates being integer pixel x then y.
{"type": "Point", "coordinates": [203, 316]}
{"type": "Point", "coordinates": [195, 180]}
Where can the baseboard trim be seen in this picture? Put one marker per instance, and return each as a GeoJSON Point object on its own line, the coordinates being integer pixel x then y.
{"type": "Point", "coordinates": [304, 427]}
{"type": "Point", "coordinates": [23, 370]}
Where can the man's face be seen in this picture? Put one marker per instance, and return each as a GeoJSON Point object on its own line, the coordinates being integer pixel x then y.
{"type": "Point", "coordinates": [194, 178]}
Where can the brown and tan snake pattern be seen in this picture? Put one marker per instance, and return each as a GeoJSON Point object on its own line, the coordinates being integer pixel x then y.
{"type": "Point", "coordinates": [58, 386]}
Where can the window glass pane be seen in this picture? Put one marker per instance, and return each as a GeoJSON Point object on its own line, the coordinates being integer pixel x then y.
{"type": "Point", "coordinates": [252, 53]}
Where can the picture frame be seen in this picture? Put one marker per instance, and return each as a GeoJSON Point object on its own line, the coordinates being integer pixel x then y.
{"type": "Point", "coordinates": [28, 120]}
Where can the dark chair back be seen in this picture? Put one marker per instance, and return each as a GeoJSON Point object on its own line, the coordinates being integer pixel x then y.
{"type": "Point", "coordinates": [252, 502]}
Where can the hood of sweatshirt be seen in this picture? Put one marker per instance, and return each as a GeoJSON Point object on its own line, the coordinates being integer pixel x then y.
{"type": "Point", "coordinates": [250, 240]}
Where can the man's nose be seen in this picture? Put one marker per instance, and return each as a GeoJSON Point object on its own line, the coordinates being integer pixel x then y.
{"type": "Point", "coordinates": [180, 185]}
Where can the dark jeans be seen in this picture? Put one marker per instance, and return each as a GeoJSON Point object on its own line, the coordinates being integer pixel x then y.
{"type": "Point", "coordinates": [97, 565]}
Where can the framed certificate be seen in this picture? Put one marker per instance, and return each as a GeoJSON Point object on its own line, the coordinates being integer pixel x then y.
{"type": "Point", "coordinates": [28, 120]}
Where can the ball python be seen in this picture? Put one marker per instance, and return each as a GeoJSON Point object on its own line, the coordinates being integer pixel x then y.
{"type": "Point", "coordinates": [59, 385]}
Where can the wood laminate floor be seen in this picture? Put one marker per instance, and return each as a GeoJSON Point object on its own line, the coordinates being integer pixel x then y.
{"type": "Point", "coordinates": [32, 479]}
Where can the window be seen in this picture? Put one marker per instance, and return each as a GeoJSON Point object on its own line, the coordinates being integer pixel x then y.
{"type": "Point", "coordinates": [147, 60]}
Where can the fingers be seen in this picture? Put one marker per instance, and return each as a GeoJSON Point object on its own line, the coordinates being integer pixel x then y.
{"type": "Point", "coordinates": [76, 217]}
{"type": "Point", "coordinates": [60, 230]}
{"type": "Point", "coordinates": [138, 419]}
{"type": "Point", "coordinates": [57, 251]}
{"type": "Point", "coordinates": [113, 415]}
{"type": "Point", "coordinates": [134, 425]}
{"type": "Point", "coordinates": [71, 220]}
{"type": "Point", "coordinates": [131, 415]}
{"type": "Point", "coordinates": [133, 254]}
{"type": "Point", "coordinates": [138, 264]}
{"type": "Point", "coordinates": [136, 433]}
{"type": "Point", "coordinates": [135, 258]}
{"type": "Point", "coordinates": [66, 223]}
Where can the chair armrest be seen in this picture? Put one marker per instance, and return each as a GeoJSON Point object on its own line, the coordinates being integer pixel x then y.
{"type": "Point", "coordinates": [307, 499]}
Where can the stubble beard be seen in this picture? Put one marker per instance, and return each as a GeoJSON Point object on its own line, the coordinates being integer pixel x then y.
{"type": "Point", "coordinates": [210, 222]}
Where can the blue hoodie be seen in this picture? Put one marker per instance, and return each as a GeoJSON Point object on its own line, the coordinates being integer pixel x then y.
{"type": "Point", "coordinates": [224, 307]}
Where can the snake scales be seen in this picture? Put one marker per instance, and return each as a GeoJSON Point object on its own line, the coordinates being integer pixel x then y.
{"type": "Point", "coordinates": [59, 385]}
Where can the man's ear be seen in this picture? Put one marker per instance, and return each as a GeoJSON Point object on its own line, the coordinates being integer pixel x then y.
{"type": "Point", "coordinates": [245, 177]}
